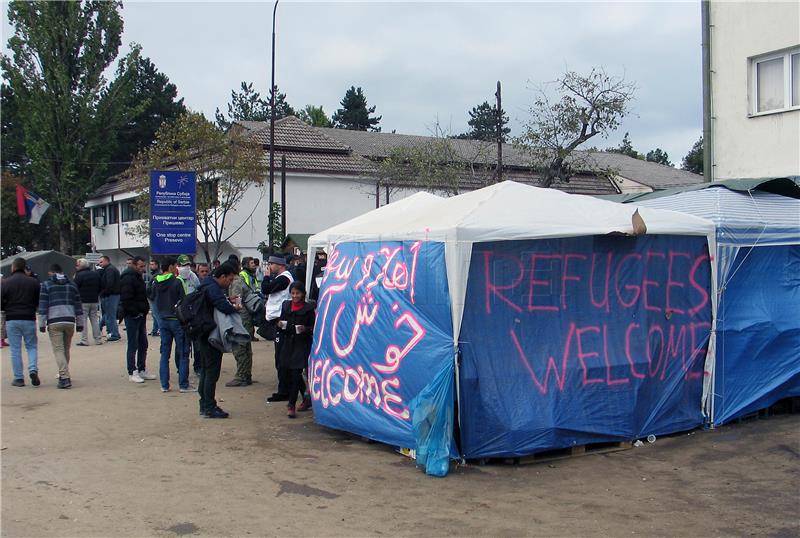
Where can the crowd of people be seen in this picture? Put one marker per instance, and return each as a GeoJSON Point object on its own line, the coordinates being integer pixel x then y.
{"type": "Point", "coordinates": [231, 301]}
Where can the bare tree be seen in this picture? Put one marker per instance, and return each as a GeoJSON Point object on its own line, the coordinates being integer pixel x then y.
{"type": "Point", "coordinates": [227, 165]}
{"type": "Point", "coordinates": [438, 164]}
{"type": "Point", "coordinates": [586, 106]}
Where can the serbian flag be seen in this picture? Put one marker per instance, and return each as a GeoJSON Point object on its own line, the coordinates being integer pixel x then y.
{"type": "Point", "coordinates": [30, 205]}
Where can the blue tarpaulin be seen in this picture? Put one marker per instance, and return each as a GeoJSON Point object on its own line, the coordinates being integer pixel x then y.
{"type": "Point", "coordinates": [582, 340]}
{"type": "Point", "coordinates": [383, 333]}
{"type": "Point", "coordinates": [757, 359]}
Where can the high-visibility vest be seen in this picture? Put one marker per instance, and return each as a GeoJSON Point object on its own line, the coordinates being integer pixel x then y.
{"type": "Point", "coordinates": [250, 280]}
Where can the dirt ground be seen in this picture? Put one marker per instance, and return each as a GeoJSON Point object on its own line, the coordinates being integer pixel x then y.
{"type": "Point", "coordinates": [113, 458]}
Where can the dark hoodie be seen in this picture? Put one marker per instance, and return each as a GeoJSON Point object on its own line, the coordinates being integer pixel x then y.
{"type": "Point", "coordinates": [59, 302]}
{"type": "Point", "coordinates": [133, 294]}
{"type": "Point", "coordinates": [167, 291]}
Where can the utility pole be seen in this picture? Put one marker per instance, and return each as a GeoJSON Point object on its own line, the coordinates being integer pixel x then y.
{"type": "Point", "coordinates": [499, 111]}
{"type": "Point", "coordinates": [272, 132]}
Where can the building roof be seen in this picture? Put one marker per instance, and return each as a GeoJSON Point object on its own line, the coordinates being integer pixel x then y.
{"type": "Point", "coordinates": [343, 152]}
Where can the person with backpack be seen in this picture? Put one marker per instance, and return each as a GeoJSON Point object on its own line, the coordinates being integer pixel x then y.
{"type": "Point", "coordinates": [167, 292]}
{"type": "Point", "coordinates": [296, 331]}
{"type": "Point", "coordinates": [210, 295]}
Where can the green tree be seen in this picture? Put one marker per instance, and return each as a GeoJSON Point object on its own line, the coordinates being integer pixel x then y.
{"type": "Point", "coordinates": [248, 105]}
{"type": "Point", "coordinates": [483, 123]}
{"type": "Point", "coordinates": [693, 161]}
{"type": "Point", "coordinates": [314, 116]}
{"type": "Point", "coordinates": [626, 148]}
{"type": "Point", "coordinates": [151, 100]}
{"type": "Point", "coordinates": [355, 114]}
{"type": "Point", "coordinates": [59, 52]}
{"type": "Point", "coordinates": [659, 156]}
{"type": "Point", "coordinates": [586, 106]}
{"type": "Point", "coordinates": [12, 137]}
{"type": "Point", "coordinates": [227, 164]}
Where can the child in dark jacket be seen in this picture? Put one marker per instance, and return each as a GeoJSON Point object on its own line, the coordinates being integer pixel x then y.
{"type": "Point", "coordinates": [296, 330]}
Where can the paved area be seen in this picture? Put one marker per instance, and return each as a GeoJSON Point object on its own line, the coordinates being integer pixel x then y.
{"type": "Point", "coordinates": [112, 458]}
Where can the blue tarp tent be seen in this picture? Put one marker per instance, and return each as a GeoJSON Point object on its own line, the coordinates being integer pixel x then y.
{"type": "Point", "coordinates": [757, 358]}
{"type": "Point", "coordinates": [565, 320]}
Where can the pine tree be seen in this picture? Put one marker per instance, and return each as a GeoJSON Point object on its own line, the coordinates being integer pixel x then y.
{"type": "Point", "coordinates": [483, 123]}
{"type": "Point", "coordinates": [248, 105]}
{"type": "Point", "coordinates": [693, 161]}
{"type": "Point", "coordinates": [659, 156]}
{"type": "Point", "coordinates": [354, 114]}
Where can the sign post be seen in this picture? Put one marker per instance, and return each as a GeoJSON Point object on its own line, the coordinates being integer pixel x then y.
{"type": "Point", "coordinates": [173, 226]}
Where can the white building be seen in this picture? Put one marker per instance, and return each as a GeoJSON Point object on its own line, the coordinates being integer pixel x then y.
{"type": "Point", "coordinates": [755, 89]}
{"type": "Point", "coordinates": [331, 177]}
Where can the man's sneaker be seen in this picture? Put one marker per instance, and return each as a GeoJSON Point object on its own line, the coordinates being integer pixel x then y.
{"type": "Point", "coordinates": [189, 388]}
{"type": "Point", "coordinates": [144, 374]}
{"type": "Point", "coordinates": [236, 382]}
{"type": "Point", "coordinates": [277, 397]}
{"type": "Point", "coordinates": [164, 389]}
{"type": "Point", "coordinates": [35, 379]}
{"type": "Point", "coordinates": [290, 412]}
{"type": "Point", "coordinates": [305, 405]}
{"type": "Point", "coordinates": [81, 344]}
{"type": "Point", "coordinates": [18, 383]}
{"type": "Point", "coordinates": [64, 383]}
{"type": "Point", "coordinates": [113, 338]}
{"type": "Point", "coordinates": [136, 378]}
{"type": "Point", "coordinates": [217, 412]}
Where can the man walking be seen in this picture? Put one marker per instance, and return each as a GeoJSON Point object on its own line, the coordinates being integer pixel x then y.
{"type": "Point", "coordinates": [20, 298]}
{"type": "Point", "coordinates": [88, 282]}
{"type": "Point", "coordinates": [276, 290]}
{"type": "Point", "coordinates": [242, 286]}
{"type": "Point", "coordinates": [209, 356]}
{"type": "Point", "coordinates": [59, 311]}
{"type": "Point", "coordinates": [167, 291]}
{"type": "Point", "coordinates": [133, 294]}
{"type": "Point", "coordinates": [109, 297]}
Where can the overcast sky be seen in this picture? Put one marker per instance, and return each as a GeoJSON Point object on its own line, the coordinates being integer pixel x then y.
{"type": "Point", "coordinates": [419, 61]}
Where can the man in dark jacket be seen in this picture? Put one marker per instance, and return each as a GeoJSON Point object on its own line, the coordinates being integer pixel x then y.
{"type": "Point", "coordinates": [20, 298]}
{"type": "Point", "coordinates": [88, 282]}
{"type": "Point", "coordinates": [167, 290]}
{"type": "Point", "coordinates": [133, 295]}
{"type": "Point", "coordinates": [109, 297]}
{"type": "Point", "coordinates": [60, 314]}
{"type": "Point", "coordinates": [210, 357]}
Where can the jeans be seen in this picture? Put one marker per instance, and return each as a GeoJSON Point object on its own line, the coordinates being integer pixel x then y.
{"type": "Point", "coordinates": [156, 317]}
{"type": "Point", "coordinates": [211, 363]}
{"type": "Point", "coordinates": [18, 330]}
{"type": "Point", "coordinates": [110, 304]}
{"type": "Point", "coordinates": [90, 312]}
{"type": "Point", "coordinates": [137, 343]}
{"type": "Point", "coordinates": [61, 340]}
{"type": "Point", "coordinates": [171, 330]}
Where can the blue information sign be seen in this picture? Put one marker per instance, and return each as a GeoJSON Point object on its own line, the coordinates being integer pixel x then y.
{"type": "Point", "coordinates": [173, 227]}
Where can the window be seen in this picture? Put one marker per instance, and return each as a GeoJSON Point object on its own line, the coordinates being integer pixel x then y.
{"type": "Point", "coordinates": [99, 216]}
{"type": "Point", "coordinates": [776, 81]}
{"type": "Point", "coordinates": [113, 214]}
{"type": "Point", "coordinates": [130, 211]}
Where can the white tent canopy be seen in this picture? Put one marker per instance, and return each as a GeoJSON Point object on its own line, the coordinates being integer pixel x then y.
{"type": "Point", "coordinates": [504, 211]}
{"type": "Point", "coordinates": [509, 211]}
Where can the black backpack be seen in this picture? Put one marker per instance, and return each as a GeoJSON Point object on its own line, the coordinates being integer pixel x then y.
{"type": "Point", "coordinates": [196, 314]}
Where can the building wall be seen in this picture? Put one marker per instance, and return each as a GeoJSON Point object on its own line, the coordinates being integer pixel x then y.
{"type": "Point", "coordinates": [313, 203]}
{"type": "Point", "coordinates": [747, 144]}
